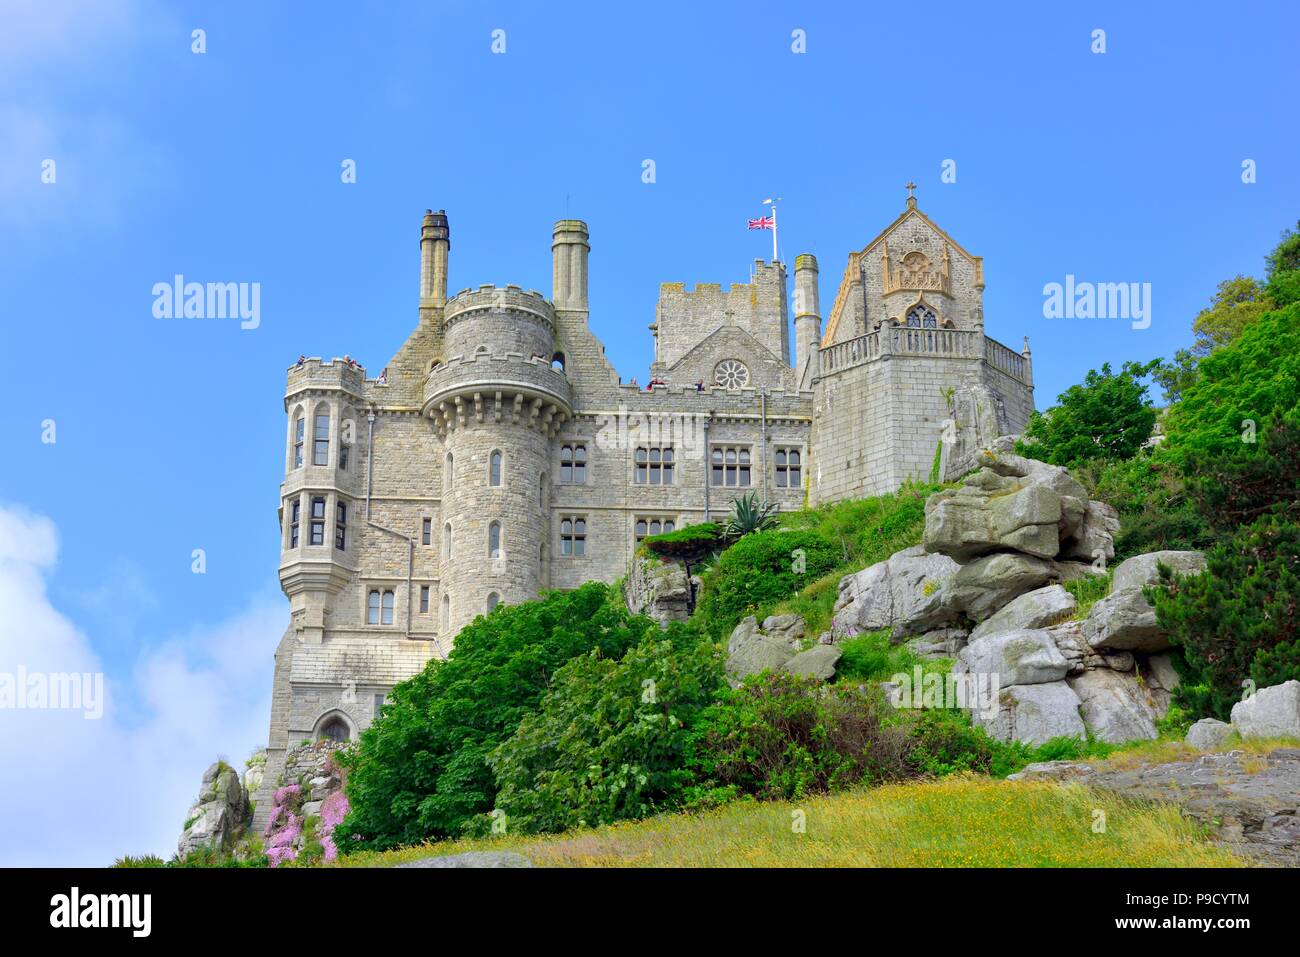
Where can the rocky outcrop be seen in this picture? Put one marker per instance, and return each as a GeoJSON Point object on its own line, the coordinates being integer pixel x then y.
{"type": "Point", "coordinates": [983, 586]}
{"type": "Point", "coordinates": [1269, 713]}
{"type": "Point", "coordinates": [1113, 706]}
{"type": "Point", "coordinates": [939, 643]}
{"type": "Point", "coordinates": [775, 646]}
{"type": "Point", "coordinates": [1035, 609]}
{"type": "Point", "coordinates": [906, 592]}
{"type": "Point", "coordinates": [219, 816]}
{"type": "Point", "coordinates": [658, 588]}
{"type": "Point", "coordinates": [1033, 714]}
{"type": "Point", "coordinates": [818, 662]}
{"type": "Point", "coordinates": [1249, 802]}
{"type": "Point", "coordinates": [1023, 657]}
{"type": "Point", "coordinates": [1124, 619]}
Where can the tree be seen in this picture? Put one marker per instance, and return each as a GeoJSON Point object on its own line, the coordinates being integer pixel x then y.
{"type": "Point", "coordinates": [420, 771]}
{"type": "Point", "coordinates": [1107, 417]}
{"type": "Point", "coordinates": [1284, 269]}
{"type": "Point", "coordinates": [608, 742]}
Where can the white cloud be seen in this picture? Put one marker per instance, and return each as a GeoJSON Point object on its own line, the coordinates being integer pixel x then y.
{"type": "Point", "coordinates": [83, 792]}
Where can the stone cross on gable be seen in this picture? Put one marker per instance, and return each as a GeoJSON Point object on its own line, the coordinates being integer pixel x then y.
{"type": "Point", "coordinates": [910, 187]}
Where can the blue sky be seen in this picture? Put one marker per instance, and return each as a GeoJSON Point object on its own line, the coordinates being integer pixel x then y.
{"type": "Point", "coordinates": [225, 166]}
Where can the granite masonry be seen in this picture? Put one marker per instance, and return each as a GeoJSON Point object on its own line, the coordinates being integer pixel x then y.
{"type": "Point", "coordinates": [498, 453]}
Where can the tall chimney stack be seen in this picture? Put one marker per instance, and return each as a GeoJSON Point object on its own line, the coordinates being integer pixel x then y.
{"type": "Point", "coordinates": [435, 244]}
{"type": "Point", "coordinates": [569, 251]}
{"type": "Point", "coordinates": [807, 314]}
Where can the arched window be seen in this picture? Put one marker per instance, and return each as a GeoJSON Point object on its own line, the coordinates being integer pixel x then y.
{"type": "Point", "coordinates": [335, 730]}
{"type": "Point", "coordinates": [493, 599]}
{"type": "Point", "coordinates": [446, 611]}
{"type": "Point", "coordinates": [386, 610]}
{"type": "Point", "coordinates": [920, 317]}
{"type": "Point", "coordinates": [494, 470]}
{"type": "Point", "coordinates": [494, 540]}
{"type": "Point", "coordinates": [557, 362]}
{"type": "Point", "coordinates": [299, 434]}
{"type": "Point", "coordinates": [446, 541]}
{"type": "Point", "coordinates": [449, 472]}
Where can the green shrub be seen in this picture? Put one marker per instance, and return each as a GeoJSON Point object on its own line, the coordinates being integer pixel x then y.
{"type": "Point", "coordinates": [761, 569]}
{"type": "Point", "coordinates": [608, 741]}
{"type": "Point", "coordinates": [783, 736]}
{"type": "Point", "coordinates": [693, 541]}
{"type": "Point", "coordinates": [1088, 590]}
{"type": "Point", "coordinates": [420, 771]}
{"type": "Point", "coordinates": [1155, 512]}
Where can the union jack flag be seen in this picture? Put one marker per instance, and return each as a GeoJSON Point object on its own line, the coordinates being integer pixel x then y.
{"type": "Point", "coordinates": [763, 222]}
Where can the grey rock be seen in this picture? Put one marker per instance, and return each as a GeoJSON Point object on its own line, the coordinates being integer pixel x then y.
{"type": "Point", "coordinates": [220, 815]}
{"type": "Point", "coordinates": [1035, 609]}
{"type": "Point", "coordinates": [1119, 660]}
{"type": "Point", "coordinates": [1270, 712]}
{"type": "Point", "coordinates": [1162, 673]}
{"type": "Point", "coordinates": [1053, 771]}
{"type": "Point", "coordinates": [788, 627]}
{"type": "Point", "coordinates": [986, 584]}
{"type": "Point", "coordinates": [1208, 734]}
{"type": "Point", "coordinates": [1033, 714]}
{"type": "Point", "coordinates": [658, 589]}
{"type": "Point", "coordinates": [1024, 657]}
{"type": "Point", "coordinates": [749, 651]}
{"type": "Point", "coordinates": [1140, 570]}
{"type": "Point", "coordinates": [472, 859]}
{"type": "Point", "coordinates": [939, 643]}
{"type": "Point", "coordinates": [905, 592]}
{"type": "Point", "coordinates": [1124, 620]}
{"type": "Point", "coordinates": [1095, 535]}
{"type": "Point", "coordinates": [818, 662]}
{"type": "Point", "coordinates": [1113, 706]}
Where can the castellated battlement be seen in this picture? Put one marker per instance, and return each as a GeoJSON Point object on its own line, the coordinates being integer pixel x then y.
{"type": "Point", "coordinates": [507, 383]}
{"type": "Point", "coordinates": [498, 320]}
{"type": "Point", "coordinates": [322, 374]}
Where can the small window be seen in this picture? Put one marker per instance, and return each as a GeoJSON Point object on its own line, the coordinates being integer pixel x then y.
{"type": "Point", "coordinates": [446, 541]}
{"type": "Point", "coordinates": [295, 509]}
{"type": "Point", "coordinates": [372, 607]}
{"type": "Point", "coordinates": [449, 472]}
{"type": "Point", "coordinates": [573, 536]}
{"type": "Point", "coordinates": [730, 466]}
{"type": "Point", "coordinates": [343, 457]}
{"type": "Point", "coordinates": [379, 705]}
{"type": "Point", "coordinates": [424, 599]}
{"type": "Point", "coordinates": [573, 464]}
{"type": "Point", "coordinates": [426, 532]}
{"type": "Point", "coordinates": [317, 521]}
{"type": "Point", "coordinates": [493, 599]}
{"type": "Point", "coordinates": [557, 361]}
{"type": "Point", "coordinates": [919, 317]}
{"type": "Point", "coordinates": [341, 526]}
{"type": "Point", "coordinates": [299, 431]}
{"type": "Point", "coordinates": [494, 540]}
{"type": "Point", "coordinates": [320, 454]}
{"type": "Point", "coordinates": [386, 612]}
{"type": "Point", "coordinates": [446, 611]}
{"type": "Point", "coordinates": [336, 730]}
{"type": "Point", "coordinates": [789, 468]}
{"type": "Point", "coordinates": [654, 465]}
{"type": "Point", "coordinates": [653, 526]}
{"type": "Point", "coordinates": [494, 470]}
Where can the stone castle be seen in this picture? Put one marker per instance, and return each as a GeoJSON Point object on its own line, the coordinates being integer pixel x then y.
{"type": "Point", "coordinates": [499, 453]}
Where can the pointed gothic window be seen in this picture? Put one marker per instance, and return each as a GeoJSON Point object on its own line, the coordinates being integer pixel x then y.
{"type": "Point", "coordinates": [920, 317]}
{"type": "Point", "coordinates": [494, 470]}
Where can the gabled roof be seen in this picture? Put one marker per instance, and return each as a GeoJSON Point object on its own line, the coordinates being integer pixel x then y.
{"type": "Point", "coordinates": [850, 270]}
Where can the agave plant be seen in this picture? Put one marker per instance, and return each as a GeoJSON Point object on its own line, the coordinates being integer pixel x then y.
{"type": "Point", "coordinates": [749, 515]}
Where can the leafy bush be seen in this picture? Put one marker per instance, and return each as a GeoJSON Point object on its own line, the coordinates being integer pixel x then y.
{"type": "Point", "coordinates": [761, 569]}
{"type": "Point", "coordinates": [1155, 511]}
{"type": "Point", "coordinates": [608, 742]}
{"type": "Point", "coordinates": [782, 736]}
{"type": "Point", "coordinates": [420, 771]}
{"type": "Point", "coordinates": [1106, 417]}
{"type": "Point", "coordinates": [693, 541]}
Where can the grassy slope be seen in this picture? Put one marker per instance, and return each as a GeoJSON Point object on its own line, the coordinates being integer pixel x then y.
{"type": "Point", "coordinates": [953, 822]}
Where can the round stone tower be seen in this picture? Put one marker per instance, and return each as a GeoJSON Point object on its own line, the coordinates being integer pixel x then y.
{"type": "Point", "coordinates": [496, 403]}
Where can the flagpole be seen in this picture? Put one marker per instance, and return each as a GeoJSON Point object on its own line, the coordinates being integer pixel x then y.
{"type": "Point", "coordinates": [774, 234]}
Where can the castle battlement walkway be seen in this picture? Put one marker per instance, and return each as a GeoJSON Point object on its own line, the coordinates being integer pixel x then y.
{"type": "Point", "coordinates": [928, 343]}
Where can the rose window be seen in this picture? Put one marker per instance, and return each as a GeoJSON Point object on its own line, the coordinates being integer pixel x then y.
{"type": "Point", "coordinates": [731, 374]}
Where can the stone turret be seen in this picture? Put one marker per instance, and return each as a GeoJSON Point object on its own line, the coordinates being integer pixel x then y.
{"type": "Point", "coordinates": [496, 403]}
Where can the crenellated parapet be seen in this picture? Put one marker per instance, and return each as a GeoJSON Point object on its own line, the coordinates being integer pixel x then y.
{"type": "Point", "coordinates": [324, 375]}
{"type": "Point", "coordinates": [495, 388]}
